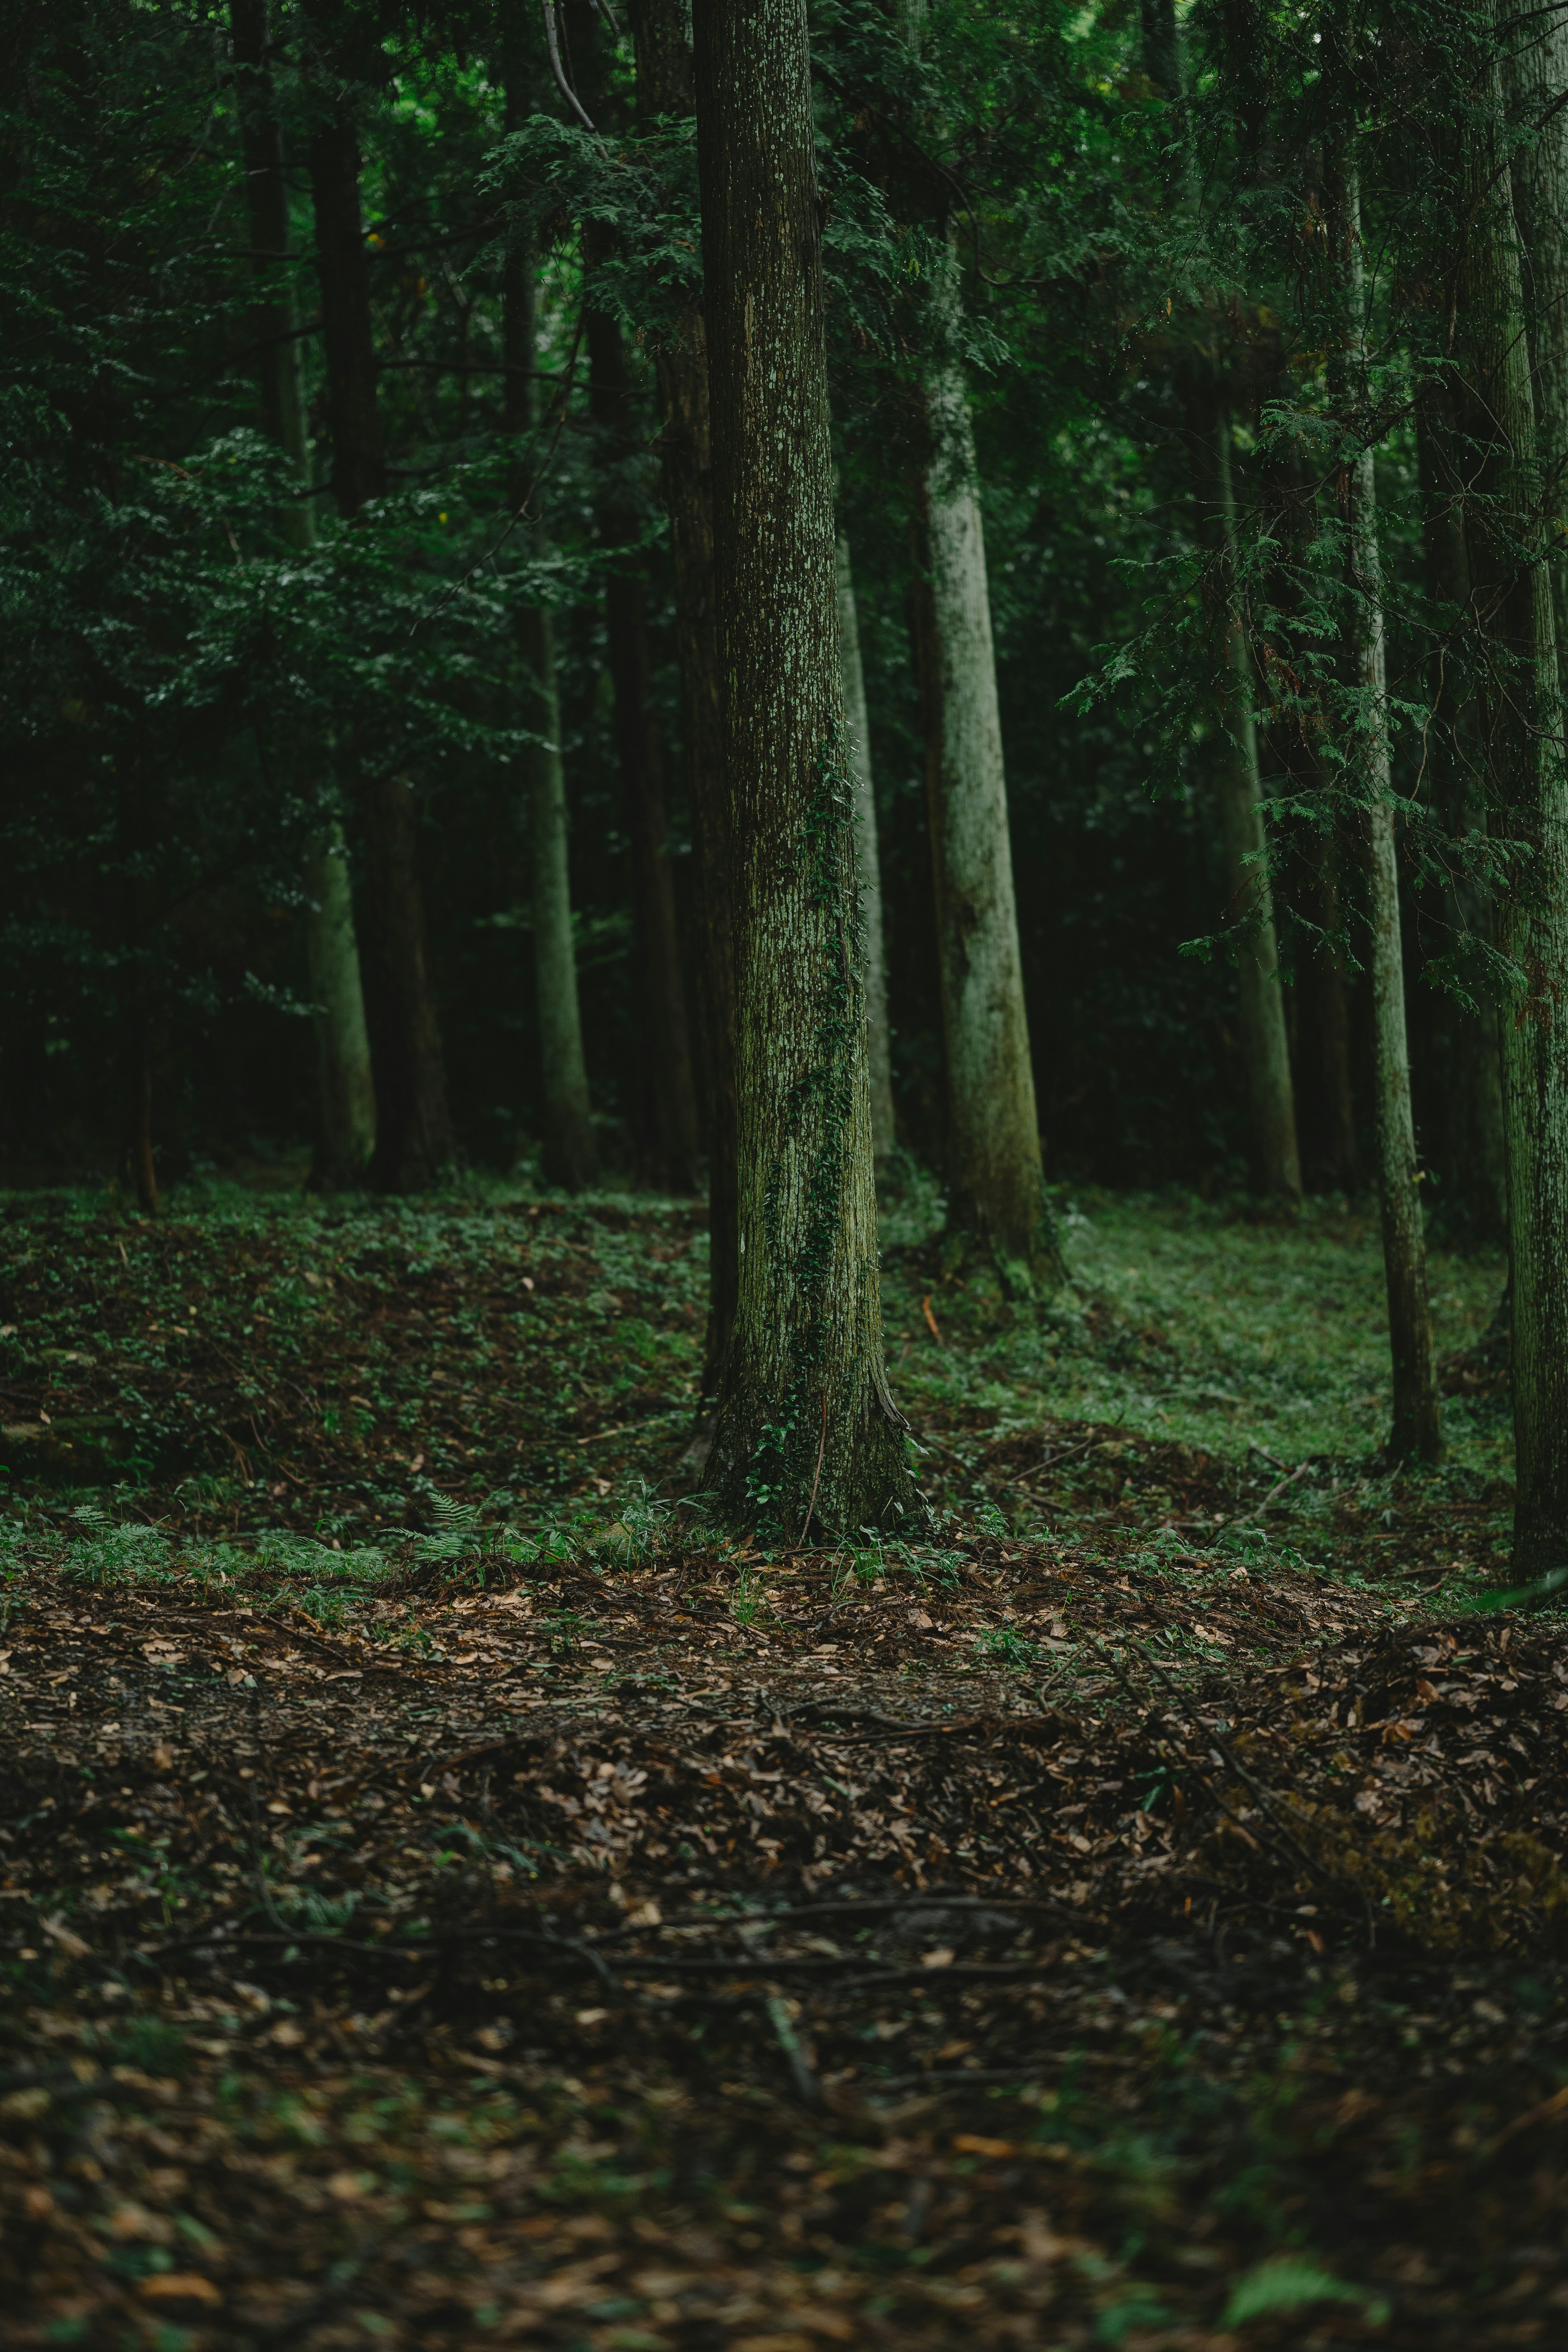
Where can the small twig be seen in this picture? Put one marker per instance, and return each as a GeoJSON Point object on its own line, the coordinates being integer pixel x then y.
{"type": "Point", "coordinates": [1300, 1472]}
{"type": "Point", "coordinates": [789, 2042]}
{"type": "Point", "coordinates": [821, 1450]}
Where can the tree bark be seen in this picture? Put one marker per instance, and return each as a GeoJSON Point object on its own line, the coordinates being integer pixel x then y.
{"type": "Point", "coordinates": [1417, 1427]}
{"type": "Point", "coordinates": [1338, 1168]}
{"type": "Point", "coordinates": [569, 1155]}
{"type": "Point", "coordinates": [806, 1428]}
{"type": "Point", "coordinates": [1472, 1076]}
{"type": "Point", "coordinates": [1521, 750]}
{"type": "Point", "coordinates": [664, 88]}
{"type": "Point", "coordinates": [868, 867]}
{"type": "Point", "coordinates": [1265, 1048]}
{"type": "Point", "coordinates": [995, 1185]}
{"type": "Point", "coordinates": [670, 1141]}
{"type": "Point", "coordinates": [413, 1132]}
{"type": "Point", "coordinates": [345, 1089]}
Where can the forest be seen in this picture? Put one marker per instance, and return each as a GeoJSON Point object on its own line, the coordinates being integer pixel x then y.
{"type": "Point", "coordinates": [784, 1174]}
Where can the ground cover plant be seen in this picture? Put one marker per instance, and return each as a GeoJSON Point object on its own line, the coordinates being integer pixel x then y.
{"type": "Point", "coordinates": [453, 1893]}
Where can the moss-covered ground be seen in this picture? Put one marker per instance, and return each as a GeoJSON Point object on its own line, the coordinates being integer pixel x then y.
{"type": "Point", "coordinates": [451, 1895]}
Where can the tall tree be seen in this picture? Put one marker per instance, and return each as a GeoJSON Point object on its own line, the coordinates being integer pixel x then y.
{"type": "Point", "coordinates": [413, 1132]}
{"type": "Point", "coordinates": [1477, 1171]}
{"type": "Point", "coordinates": [806, 1426]}
{"type": "Point", "coordinates": [868, 865]}
{"type": "Point", "coordinates": [664, 87]}
{"type": "Point", "coordinates": [1417, 1415]}
{"type": "Point", "coordinates": [569, 1153]}
{"type": "Point", "coordinates": [1521, 748]}
{"type": "Point", "coordinates": [669, 1141]}
{"type": "Point", "coordinates": [996, 1184]}
{"type": "Point", "coordinates": [345, 1088]}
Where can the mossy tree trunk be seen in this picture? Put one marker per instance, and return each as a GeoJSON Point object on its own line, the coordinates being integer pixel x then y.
{"type": "Point", "coordinates": [1472, 1072]}
{"type": "Point", "coordinates": [806, 1428]}
{"type": "Point", "coordinates": [1260, 996]}
{"type": "Point", "coordinates": [868, 864]}
{"type": "Point", "coordinates": [1507, 463]}
{"type": "Point", "coordinates": [994, 1180]}
{"type": "Point", "coordinates": [670, 1144]}
{"type": "Point", "coordinates": [664, 88]}
{"type": "Point", "coordinates": [414, 1129]}
{"type": "Point", "coordinates": [1417, 1428]}
{"type": "Point", "coordinates": [569, 1153]}
{"type": "Point", "coordinates": [344, 1085]}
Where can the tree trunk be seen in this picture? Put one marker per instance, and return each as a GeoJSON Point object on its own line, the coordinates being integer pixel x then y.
{"type": "Point", "coordinates": [1417, 1415]}
{"type": "Point", "coordinates": [1472, 1077]}
{"type": "Point", "coordinates": [1338, 1168]}
{"type": "Point", "coordinates": [413, 1132]}
{"type": "Point", "coordinates": [868, 867]}
{"type": "Point", "coordinates": [995, 1187]}
{"type": "Point", "coordinates": [1265, 1051]}
{"type": "Point", "coordinates": [569, 1155]}
{"type": "Point", "coordinates": [345, 1091]}
{"type": "Point", "coordinates": [1521, 750]}
{"type": "Point", "coordinates": [806, 1428]}
{"type": "Point", "coordinates": [344, 1087]}
{"type": "Point", "coordinates": [670, 1141]}
{"type": "Point", "coordinates": [664, 87]}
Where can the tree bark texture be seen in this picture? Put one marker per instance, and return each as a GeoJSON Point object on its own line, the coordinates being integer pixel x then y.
{"type": "Point", "coordinates": [806, 1429]}
{"type": "Point", "coordinates": [867, 863]}
{"type": "Point", "coordinates": [664, 87]}
{"type": "Point", "coordinates": [569, 1155]}
{"type": "Point", "coordinates": [995, 1185]}
{"type": "Point", "coordinates": [669, 1140]}
{"type": "Point", "coordinates": [1521, 751]}
{"type": "Point", "coordinates": [1265, 1049]}
{"type": "Point", "coordinates": [1467, 1041]}
{"type": "Point", "coordinates": [345, 1089]}
{"type": "Point", "coordinates": [1417, 1428]}
{"type": "Point", "coordinates": [414, 1129]}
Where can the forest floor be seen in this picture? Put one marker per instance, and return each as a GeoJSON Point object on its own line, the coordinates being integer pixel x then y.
{"type": "Point", "coordinates": [450, 1896]}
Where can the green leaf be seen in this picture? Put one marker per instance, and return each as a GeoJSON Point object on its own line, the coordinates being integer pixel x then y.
{"type": "Point", "coordinates": [1288, 2282]}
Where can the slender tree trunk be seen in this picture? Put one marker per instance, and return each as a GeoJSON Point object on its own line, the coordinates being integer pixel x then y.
{"type": "Point", "coordinates": [1521, 750]}
{"type": "Point", "coordinates": [664, 88]}
{"type": "Point", "coordinates": [1472, 1077]}
{"type": "Point", "coordinates": [995, 1186]}
{"type": "Point", "coordinates": [806, 1427]}
{"type": "Point", "coordinates": [672, 1141]}
{"type": "Point", "coordinates": [1260, 998]}
{"type": "Point", "coordinates": [868, 865]}
{"type": "Point", "coordinates": [569, 1155]}
{"type": "Point", "coordinates": [1417, 1414]}
{"type": "Point", "coordinates": [345, 1089]}
{"type": "Point", "coordinates": [414, 1131]}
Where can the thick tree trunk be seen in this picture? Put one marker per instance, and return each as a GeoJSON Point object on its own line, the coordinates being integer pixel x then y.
{"type": "Point", "coordinates": [670, 1142]}
{"type": "Point", "coordinates": [868, 865]}
{"type": "Point", "coordinates": [1472, 1073]}
{"type": "Point", "coordinates": [1265, 1049]}
{"type": "Point", "coordinates": [1521, 749]}
{"type": "Point", "coordinates": [344, 1086]}
{"type": "Point", "coordinates": [995, 1187]}
{"type": "Point", "coordinates": [345, 1092]}
{"type": "Point", "coordinates": [664, 88]}
{"type": "Point", "coordinates": [414, 1131]}
{"type": "Point", "coordinates": [1417, 1415]}
{"type": "Point", "coordinates": [806, 1427]}
{"type": "Point", "coordinates": [569, 1154]}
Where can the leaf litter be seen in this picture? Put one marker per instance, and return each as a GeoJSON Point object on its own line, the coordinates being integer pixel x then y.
{"type": "Point", "coordinates": [1108, 1930]}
